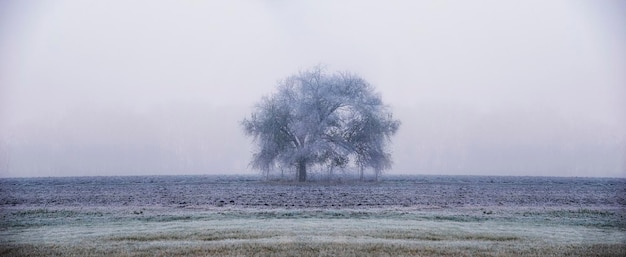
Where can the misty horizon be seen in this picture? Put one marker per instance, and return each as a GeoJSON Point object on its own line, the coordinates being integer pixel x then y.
{"type": "Point", "coordinates": [115, 88]}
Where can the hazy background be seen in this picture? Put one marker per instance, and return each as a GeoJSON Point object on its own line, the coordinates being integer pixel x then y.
{"type": "Point", "coordinates": [159, 87]}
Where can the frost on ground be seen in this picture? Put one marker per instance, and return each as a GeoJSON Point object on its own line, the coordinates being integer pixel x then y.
{"type": "Point", "coordinates": [404, 216]}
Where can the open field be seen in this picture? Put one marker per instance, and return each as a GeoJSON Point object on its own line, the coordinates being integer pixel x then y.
{"type": "Point", "coordinates": [239, 216]}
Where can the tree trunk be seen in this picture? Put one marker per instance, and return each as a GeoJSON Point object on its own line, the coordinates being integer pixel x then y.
{"type": "Point", "coordinates": [282, 173]}
{"type": "Point", "coordinates": [301, 171]}
{"type": "Point", "coordinates": [361, 173]}
{"type": "Point", "coordinates": [330, 173]}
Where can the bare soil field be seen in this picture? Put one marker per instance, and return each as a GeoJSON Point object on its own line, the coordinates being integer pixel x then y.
{"type": "Point", "coordinates": [242, 216]}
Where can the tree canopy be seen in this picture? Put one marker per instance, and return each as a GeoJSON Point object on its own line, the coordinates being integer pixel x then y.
{"type": "Point", "coordinates": [317, 118]}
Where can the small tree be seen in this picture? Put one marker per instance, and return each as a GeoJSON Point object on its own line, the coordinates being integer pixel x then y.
{"type": "Point", "coordinates": [323, 119]}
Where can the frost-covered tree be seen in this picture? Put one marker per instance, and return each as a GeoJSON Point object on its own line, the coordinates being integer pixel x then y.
{"type": "Point", "coordinates": [323, 119]}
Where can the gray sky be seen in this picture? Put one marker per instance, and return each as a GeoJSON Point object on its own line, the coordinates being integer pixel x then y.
{"type": "Point", "coordinates": [159, 87]}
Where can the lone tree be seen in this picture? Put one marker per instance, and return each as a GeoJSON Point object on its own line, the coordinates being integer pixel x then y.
{"type": "Point", "coordinates": [316, 118]}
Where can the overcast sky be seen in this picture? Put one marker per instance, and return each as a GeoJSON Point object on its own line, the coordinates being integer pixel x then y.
{"type": "Point", "coordinates": [159, 87]}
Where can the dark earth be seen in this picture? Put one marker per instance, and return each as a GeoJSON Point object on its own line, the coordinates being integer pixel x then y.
{"type": "Point", "coordinates": [250, 192]}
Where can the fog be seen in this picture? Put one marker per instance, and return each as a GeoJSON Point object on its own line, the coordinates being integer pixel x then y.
{"type": "Point", "coordinates": [159, 87]}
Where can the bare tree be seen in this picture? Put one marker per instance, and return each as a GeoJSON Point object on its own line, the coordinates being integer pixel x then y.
{"type": "Point", "coordinates": [324, 119]}
{"type": "Point", "coordinates": [5, 156]}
